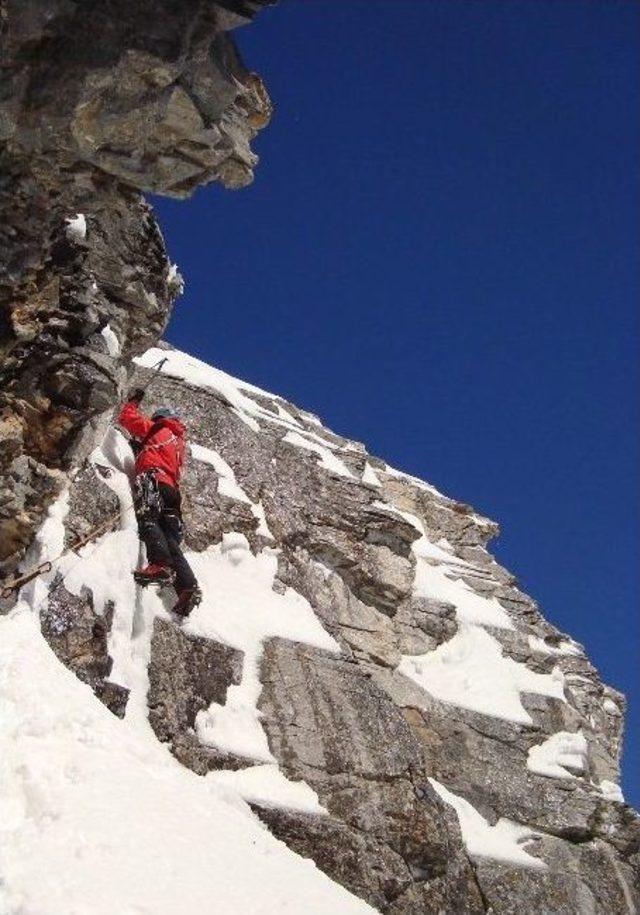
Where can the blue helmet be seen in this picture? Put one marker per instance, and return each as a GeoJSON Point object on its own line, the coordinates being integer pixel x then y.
{"type": "Point", "coordinates": [165, 413]}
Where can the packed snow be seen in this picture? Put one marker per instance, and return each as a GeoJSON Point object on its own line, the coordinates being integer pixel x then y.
{"type": "Point", "coordinates": [611, 708]}
{"type": "Point", "coordinates": [229, 486]}
{"type": "Point", "coordinates": [563, 755]}
{"type": "Point", "coordinates": [328, 459]}
{"type": "Point", "coordinates": [501, 842]}
{"type": "Point", "coordinates": [416, 481]}
{"type": "Point", "coordinates": [565, 647]}
{"type": "Point", "coordinates": [96, 815]}
{"type": "Point", "coordinates": [369, 476]}
{"type": "Point", "coordinates": [470, 671]}
{"type": "Point", "coordinates": [434, 567]}
{"type": "Point", "coordinates": [267, 786]}
{"type": "Point", "coordinates": [241, 609]}
{"type": "Point", "coordinates": [111, 341]}
{"type": "Point", "coordinates": [435, 582]}
{"type": "Point", "coordinates": [76, 227]}
{"type": "Point", "coordinates": [48, 544]}
{"type": "Point", "coordinates": [611, 791]}
{"type": "Point", "coordinates": [175, 280]}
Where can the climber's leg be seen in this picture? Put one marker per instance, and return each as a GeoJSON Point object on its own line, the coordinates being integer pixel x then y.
{"type": "Point", "coordinates": [171, 525]}
{"type": "Point", "coordinates": [148, 511]}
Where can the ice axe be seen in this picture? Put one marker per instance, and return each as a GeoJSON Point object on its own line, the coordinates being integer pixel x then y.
{"type": "Point", "coordinates": [158, 368]}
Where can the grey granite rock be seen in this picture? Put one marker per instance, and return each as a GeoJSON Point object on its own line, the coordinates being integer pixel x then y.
{"type": "Point", "coordinates": [186, 674]}
{"type": "Point", "coordinates": [78, 636]}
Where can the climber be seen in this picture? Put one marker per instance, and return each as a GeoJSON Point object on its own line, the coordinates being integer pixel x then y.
{"type": "Point", "coordinates": [159, 444]}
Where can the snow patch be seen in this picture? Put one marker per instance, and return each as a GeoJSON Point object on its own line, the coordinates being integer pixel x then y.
{"type": "Point", "coordinates": [227, 483]}
{"type": "Point", "coordinates": [311, 418]}
{"type": "Point", "coordinates": [113, 344]}
{"type": "Point", "coordinates": [563, 755]}
{"type": "Point", "coordinates": [611, 791]}
{"type": "Point", "coordinates": [286, 416]}
{"type": "Point", "coordinates": [470, 671]}
{"type": "Point", "coordinates": [328, 459]}
{"type": "Point", "coordinates": [76, 228]}
{"type": "Point", "coordinates": [369, 476]}
{"type": "Point", "coordinates": [47, 546]}
{"type": "Point", "coordinates": [263, 528]}
{"type": "Point", "coordinates": [114, 464]}
{"type": "Point", "coordinates": [565, 647]}
{"type": "Point", "coordinates": [502, 842]}
{"type": "Point", "coordinates": [175, 280]}
{"type": "Point", "coordinates": [434, 582]}
{"type": "Point", "coordinates": [241, 609]}
{"type": "Point", "coordinates": [611, 707]}
{"type": "Point", "coordinates": [400, 475]}
{"type": "Point", "coordinates": [267, 786]}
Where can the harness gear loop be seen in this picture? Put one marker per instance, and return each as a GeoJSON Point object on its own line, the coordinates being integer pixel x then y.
{"type": "Point", "coordinates": [147, 501]}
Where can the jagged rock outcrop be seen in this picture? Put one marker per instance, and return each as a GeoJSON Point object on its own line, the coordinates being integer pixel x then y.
{"type": "Point", "coordinates": [439, 797]}
{"type": "Point", "coordinates": [98, 102]}
{"type": "Point", "coordinates": [187, 674]}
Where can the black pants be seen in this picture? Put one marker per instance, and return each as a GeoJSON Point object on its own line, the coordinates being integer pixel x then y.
{"type": "Point", "coordinates": [160, 528]}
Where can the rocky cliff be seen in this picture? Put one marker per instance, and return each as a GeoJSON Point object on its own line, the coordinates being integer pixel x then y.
{"type": "Point", "coordinates": [362, 687]}
{"type": "Point", "coordinates": [361, 671]}
{"type": "Point", "coordinates": [98, 102]}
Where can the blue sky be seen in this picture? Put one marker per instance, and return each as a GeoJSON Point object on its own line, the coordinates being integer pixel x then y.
{"type": "Point", "coordinates": [439, 256]}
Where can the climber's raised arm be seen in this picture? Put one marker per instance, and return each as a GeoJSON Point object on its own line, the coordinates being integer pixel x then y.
{"type": "Point", "coordinates": [130, 417]}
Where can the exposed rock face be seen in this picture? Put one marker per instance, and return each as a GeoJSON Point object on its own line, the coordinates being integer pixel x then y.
{"type": "Point", "coordinates": [186, 675]}
{"type": "Point", "coordinates": [152, 93]}
{"type": "Point", "coordinates": [78, 636]}
{"type": "Point", "coordinates": [98, 102]}
{"type": "Point", "coordinates": [392, 761]}
{"type": "Point", "coordinates": [335, 729]}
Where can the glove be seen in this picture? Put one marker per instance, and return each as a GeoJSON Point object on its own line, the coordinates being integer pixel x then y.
{"type": "Point", "coordinates": [135, 395]}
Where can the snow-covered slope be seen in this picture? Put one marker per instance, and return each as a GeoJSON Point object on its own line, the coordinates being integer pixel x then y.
{"type": "Point", "coordinates": [361, 677]}
{"type": "Point", "coordinates": [97, 817]}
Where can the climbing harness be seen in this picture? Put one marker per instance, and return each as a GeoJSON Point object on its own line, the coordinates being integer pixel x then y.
{"type": "Point", "coordinates": [146, 499]}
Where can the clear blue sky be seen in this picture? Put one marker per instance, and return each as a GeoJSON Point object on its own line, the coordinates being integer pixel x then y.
{"type": "Point", "coordinates": [439, 256]}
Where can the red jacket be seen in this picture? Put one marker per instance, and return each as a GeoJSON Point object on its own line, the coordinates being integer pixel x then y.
{"type": "Point", "coordinates": [161, 442]}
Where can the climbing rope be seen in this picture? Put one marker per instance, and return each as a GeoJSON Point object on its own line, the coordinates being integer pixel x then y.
{"type": "Point", "coordinates": [46, 566]}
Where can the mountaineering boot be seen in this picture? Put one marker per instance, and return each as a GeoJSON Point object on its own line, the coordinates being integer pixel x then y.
{"type": "Point", "coordinates": [188, 598]}
{"type": "Point", "coordinates": [154, 574]}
